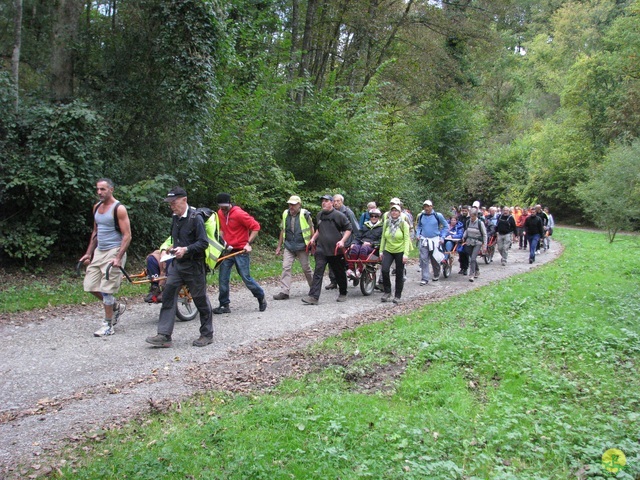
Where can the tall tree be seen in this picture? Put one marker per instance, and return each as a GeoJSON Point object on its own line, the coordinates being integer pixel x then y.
{"type": "Point", "coordinates": [15, 57]}
{"type": "Point", "coordinates": [65, 30]}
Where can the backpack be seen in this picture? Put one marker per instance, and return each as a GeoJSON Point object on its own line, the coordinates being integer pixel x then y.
{"type": "Point", "coordinates": [116, 223]}
{"type": "Point", "coordinates": [438, 216]}
{"type": "Point", "coordinates": [212, 226]}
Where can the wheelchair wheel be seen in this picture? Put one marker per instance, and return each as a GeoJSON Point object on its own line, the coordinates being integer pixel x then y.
{"type": "Point", "coordinates": [185, 308]}
{"type": "Point", "coordinates": [367, 281]}
{"type": "Point", "coordinates": [488, 257]}
{"type": "Point", "coordinates": [446, 268]}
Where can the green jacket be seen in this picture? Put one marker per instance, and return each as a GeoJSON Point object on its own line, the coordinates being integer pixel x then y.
{"type": "Point", "coordinates": [401, 242]}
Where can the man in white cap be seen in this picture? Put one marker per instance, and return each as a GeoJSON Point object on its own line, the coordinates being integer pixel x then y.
{"type": "Point", "coordinates": [296, 231]}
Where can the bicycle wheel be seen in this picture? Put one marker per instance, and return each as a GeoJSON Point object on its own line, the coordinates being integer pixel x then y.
{"type": "Point", "coordinates": [186, 309]}
{"type": "Point", "coordinates": [446, 268]}
{"type": "Point", "coordinates": [367, 281]}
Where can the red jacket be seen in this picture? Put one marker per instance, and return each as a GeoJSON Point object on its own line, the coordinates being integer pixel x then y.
{"type": "Point", "coordinates": [236, 225]}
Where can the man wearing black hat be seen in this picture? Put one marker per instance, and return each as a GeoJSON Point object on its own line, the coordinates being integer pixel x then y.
{"type": "Point", "coordinates": [189, 244]}
{"type": "Point", "coordinates": [334, 229]}
{"type": "Point", "coordinates": [239, 230]}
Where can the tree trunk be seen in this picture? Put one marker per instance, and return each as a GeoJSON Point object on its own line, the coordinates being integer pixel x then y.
{"type": "Point", "coordinates": [65, 29]}
{"type": "Point", "coordinates": [293, 51]}
{"type": "Point", "coordinates": [307, 42]}
{"type": "Point", "coordinates": [15, 57]}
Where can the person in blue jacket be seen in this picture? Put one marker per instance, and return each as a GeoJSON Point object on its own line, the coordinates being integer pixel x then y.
{"type": "Point", "coordinates": [455, 233]}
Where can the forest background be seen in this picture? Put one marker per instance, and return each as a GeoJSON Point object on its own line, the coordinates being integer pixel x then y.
{"type": "Point", "coordinates": [504, 101]}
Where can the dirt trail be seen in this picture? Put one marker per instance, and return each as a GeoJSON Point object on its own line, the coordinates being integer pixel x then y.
{"type": "Point", "coordinates": [60, 384]}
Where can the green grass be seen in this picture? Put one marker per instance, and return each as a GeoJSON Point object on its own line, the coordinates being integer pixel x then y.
{"type": "Point", "coordinates": [534, 377]}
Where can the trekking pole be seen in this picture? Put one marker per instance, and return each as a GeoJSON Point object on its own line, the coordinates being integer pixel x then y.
{"type": "Point", "coordinates": [124, 272]}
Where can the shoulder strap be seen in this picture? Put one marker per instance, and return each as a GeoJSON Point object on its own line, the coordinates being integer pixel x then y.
{"type": "Point", "coordinates": [116, 223]}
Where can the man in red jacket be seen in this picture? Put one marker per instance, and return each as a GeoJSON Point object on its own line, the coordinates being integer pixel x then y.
{"type": "Point", "coordinates": [239, 230]}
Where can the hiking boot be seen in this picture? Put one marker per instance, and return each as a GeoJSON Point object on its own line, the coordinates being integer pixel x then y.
{"type": "Point", "coordinates": [222, 309]}
{"type": "Point", "coordinates": [342, 297]}
{"type": "Point", "coordinates": [152, 296]}
{"type": "Point", "coordinates": [202, 341]}
{"type": "Point", "coordinates": [462, 272]}
{"type": "Point", "coordinates": [476, 275]}
{"type": "Point", "coordinates": [160, 341]}
{"type": "Point", "coordinates": [262, 304]}
{"type": "Point", "coordinates": [310, 300]}
{"type": "Point", "coordinates": [423, 283]}
{"type": "Point", "coordinates": [386, 297]}
{"type": "Point", "coordinates": [503, 263]}
{"type": "Point", "coordinates": [397, 300]}
{"type": "Point", "coordinates": [105, 330]}
{"type": "Point", "coordinates": [281, 296]}
{"type": "Point", "coordinates": [331, 286]}
{"type": "Point", "coordinates": [471, 279]}
{"type": "Point", "coordinates": [435, 279]}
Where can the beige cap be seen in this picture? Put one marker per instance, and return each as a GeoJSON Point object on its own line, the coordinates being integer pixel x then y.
{"type": "Point", "coordinates": [294, 200]}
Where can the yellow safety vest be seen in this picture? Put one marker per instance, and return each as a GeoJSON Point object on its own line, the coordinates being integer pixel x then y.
{"type": "Point", "coordinates": [304, 225]}
{"type": "Point", "coordinates": [215, 248]}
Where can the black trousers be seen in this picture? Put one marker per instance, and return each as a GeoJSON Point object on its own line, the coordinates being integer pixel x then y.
{"type": "Point", "coordinates": [192, 274]}
{"type": "Point", "coordinates": [336, 265]}
{"type": "Point", "coordinates": [387, 260]}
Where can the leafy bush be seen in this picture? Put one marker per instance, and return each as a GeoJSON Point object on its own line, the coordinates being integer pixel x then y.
{"type": "Point", "coordinates": [150, 222]}
{"type": "Point", "coordinates": [50, 166]}
{"type": "Point", "coordinates": [611, 195]}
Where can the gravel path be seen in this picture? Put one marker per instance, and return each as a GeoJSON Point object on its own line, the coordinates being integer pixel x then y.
{"type": "Point", "coordinates": [59, 383]}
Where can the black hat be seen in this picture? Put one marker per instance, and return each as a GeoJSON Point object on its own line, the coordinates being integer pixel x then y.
{"type": "Point", "coordinates": [175, 192]}
{"type": "Point", "coordinates": [223, 199]}
{"type": "Point", "coordinates": [326, 197]}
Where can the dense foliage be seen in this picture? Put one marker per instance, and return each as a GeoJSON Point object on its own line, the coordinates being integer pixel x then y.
{"type": "Point", "coordinates": [505, 101]}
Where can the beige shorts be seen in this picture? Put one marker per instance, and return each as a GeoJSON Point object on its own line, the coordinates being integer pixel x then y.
{"type": "Point", "coordinates": [95, 280]}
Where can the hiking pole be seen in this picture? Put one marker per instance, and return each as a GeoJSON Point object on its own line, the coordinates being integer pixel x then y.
{"type": "Point", "coordinates": [229, 256]}
{"type": "Point", "coordinates": [124, 272]}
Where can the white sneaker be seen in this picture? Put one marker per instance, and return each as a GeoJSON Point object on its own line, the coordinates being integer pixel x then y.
{"type": "Point", "coordinates": [350, 273]}
{"type": "Point", "coordinates": [104, 330]}
{"type": "Point", "coordinates": [118, 309]}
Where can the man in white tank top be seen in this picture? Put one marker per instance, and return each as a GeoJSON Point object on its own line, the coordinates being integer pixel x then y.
{"type": "Point", "coordinates": [110, 239]}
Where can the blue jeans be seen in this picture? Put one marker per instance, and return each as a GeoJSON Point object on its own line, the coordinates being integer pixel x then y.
{"type": "Point", "coordinates": [533, 245]}
{"type": "Point", "coordinates": [242, 263]}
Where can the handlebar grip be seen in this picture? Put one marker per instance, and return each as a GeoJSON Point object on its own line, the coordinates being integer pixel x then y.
{"type": "Point", "coordinates": [126, 275]}
{"type": "Point", "coordinates": [79, 269]}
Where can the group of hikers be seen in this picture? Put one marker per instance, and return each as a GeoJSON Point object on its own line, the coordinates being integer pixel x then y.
{"type": "Point", "coordinates": [200, 237]}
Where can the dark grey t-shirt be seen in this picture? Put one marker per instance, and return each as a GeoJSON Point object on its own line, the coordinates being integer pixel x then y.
{"type": "Point", "coordinates": [331, 226]}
